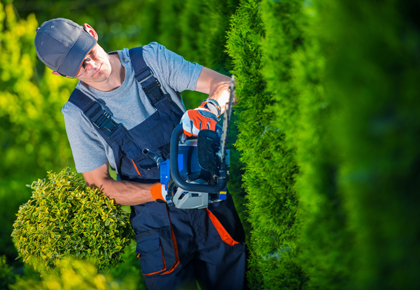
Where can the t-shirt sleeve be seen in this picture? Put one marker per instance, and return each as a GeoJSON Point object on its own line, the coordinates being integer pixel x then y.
{"type": "Point", "coordinates": [178, 73]}
{"type": "Point", "coordinates": [88, 151]}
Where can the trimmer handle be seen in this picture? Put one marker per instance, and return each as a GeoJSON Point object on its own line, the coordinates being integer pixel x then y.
{"type": "Point", "coordinates": [176, 177]}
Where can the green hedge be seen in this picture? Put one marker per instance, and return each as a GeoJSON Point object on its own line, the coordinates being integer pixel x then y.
{"type": "Point", "coordinates": [376, 130]}
{"type": "Point", "coordinates": [325, 242]}
{"type": "Point", "coordinates": [343, 101]}
{"type": "Point", "coordinates": [246, 60]}
{"type": "Point", "coordinates": [262, 38]}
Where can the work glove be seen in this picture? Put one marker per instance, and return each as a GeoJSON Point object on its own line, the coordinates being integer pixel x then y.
{"type": "Point", "coordinates": [204, 117]}
{"type": "Point", "coordinates": [158, 192]}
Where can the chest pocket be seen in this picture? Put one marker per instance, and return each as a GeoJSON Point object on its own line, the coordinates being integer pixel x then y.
{"type": "Point", "coordinates": [144, 168]}
{"type": "Point", "coordinates": [153, 134]}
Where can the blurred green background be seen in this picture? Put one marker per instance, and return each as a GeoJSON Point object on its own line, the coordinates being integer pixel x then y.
{"type": "Point", "coordinates": [326, 163]}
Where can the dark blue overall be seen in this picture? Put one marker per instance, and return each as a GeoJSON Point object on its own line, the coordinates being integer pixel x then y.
{"type": "Point", "coordinates": [176, 247]}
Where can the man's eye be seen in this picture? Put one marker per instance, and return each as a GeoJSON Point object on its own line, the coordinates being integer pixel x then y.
{"type": "Point", "coordinates": [84, 62]}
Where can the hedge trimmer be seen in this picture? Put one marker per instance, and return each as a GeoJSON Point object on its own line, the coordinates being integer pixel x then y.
{"type": "Point", "coordinates": [197, 171]}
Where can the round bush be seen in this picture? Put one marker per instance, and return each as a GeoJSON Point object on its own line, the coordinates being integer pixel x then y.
{"type": "Point", "coordinates": [64, 217]}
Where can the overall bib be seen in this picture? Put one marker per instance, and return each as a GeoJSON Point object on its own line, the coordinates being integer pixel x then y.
{"type": "Point", "coordinates": [175, 247]}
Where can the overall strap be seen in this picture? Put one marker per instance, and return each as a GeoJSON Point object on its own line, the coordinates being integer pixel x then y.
{"type": "Point", "coordinates": [144, 75]}
{"type": "Point", "coordinates": [94, 112]}
{"type": "Point", "coordinates": [103, 123]}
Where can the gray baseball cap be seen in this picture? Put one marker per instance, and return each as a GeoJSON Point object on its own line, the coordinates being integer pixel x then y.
{"type": "Point", "coordinates": [62, 45]}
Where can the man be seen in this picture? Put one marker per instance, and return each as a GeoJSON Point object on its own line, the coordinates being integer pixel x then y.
{"type": "Point", "coordinates": [128, 101]}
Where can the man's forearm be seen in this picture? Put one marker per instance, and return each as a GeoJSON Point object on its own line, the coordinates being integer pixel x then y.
{"type": "Point", "coordinates": [215, 85]}
{"type": "Point", "coordinates": [123, 192]}
{"type": "Point", "coordinates": [127, 192]}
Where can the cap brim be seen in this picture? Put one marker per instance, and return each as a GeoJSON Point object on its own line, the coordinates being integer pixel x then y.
{"type": "Point", "coordinates": [77, 54]}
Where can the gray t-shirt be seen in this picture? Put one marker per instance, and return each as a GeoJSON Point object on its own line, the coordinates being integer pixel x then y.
{"type": "Point", "coordinates": [127, 104]}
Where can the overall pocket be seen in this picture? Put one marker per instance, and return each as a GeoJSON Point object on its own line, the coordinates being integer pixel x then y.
{"type": "Point", "coordinates": [150, 253]}
{"type": "Point", "coordinates": [157, 251]}
{"type": "Point", "coordinates": [145, 167]}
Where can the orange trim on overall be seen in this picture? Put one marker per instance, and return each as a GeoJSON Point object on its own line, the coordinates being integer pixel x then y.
{"type": "Point", "coordinates": [135, 167]}
{"type": "Point", "coordinates": [175, 247]}
{"type": "Point", "coordinates": [224, 235]}
{"type": "Point", "coordinates": [164, 265]}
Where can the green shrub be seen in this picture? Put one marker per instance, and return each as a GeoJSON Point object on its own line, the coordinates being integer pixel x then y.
{"type": "Point", "coordinates": [64, 217]}
{"type": "Point", "coordinates": [283, 38]}
{"type": "Point", "coordinates": [269, 161]}
{"type": "Point", "coordinates": [6, 275]}
{"type": "Point", "coordinates": [73, 274]}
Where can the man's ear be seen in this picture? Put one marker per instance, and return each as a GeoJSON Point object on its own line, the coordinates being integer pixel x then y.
{"type": "Point", "coordinates": [90, 30]}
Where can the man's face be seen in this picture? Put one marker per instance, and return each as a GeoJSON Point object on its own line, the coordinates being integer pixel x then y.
{"type": "Point", "coordinates": [96, 66]}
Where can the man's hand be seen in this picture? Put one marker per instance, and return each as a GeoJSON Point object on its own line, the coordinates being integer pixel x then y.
{"type": "Point", "coordinates": [198, 119]}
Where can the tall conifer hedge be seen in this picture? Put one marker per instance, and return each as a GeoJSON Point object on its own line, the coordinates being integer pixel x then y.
{"type": "Point", "coordinates": [373, 78]}
{"type": "Point", "coordinates": [260, 63]}
{"type": "Point", "coordinates": [324, 241]}
{"type": "Point", "coordinates": [343, 103]}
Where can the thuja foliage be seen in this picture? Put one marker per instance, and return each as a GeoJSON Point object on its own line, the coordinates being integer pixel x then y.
{"type": "Point", "coordinates": [283, 37]}
{"type": "Point", "coordinates": [324, 240]}
{"type": "Point", "coordinates": [65, 217]}
{"type": "Point", "coordinates": [73, 274]}
{"type": "Point", "coordinates": [269, 161]}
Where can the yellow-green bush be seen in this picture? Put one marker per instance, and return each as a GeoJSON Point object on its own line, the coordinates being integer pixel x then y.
{"type": "Point", "coordinates": [73, 274]}
{"type": "Point", "coordinates": [64, 217]}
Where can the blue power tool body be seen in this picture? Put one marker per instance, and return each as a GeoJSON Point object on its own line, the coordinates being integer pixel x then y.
{"type": "Point", "coordinates": [196, 172]}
